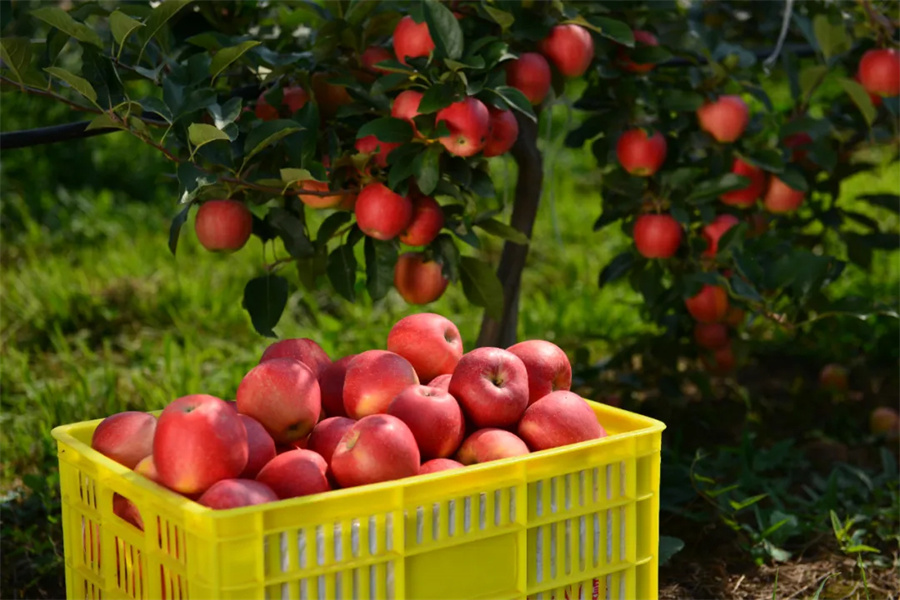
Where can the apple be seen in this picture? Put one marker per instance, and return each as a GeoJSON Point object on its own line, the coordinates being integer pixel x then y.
{"type": "Point", "coordinates": [315, 200]}
{"type": "Point", "coordinates": [382, 214]}
{"type": "Point", "coordinates": [326, 435]}
{"type": "Point", "coordinates": [720, 361]}
{"type": "Point", "coordinates": [710, 335]}
{"type": "Point", "coordinates": [223, 225]}
{"type": "Point", "coordinates": [294, 97]}
{"type": "Point", "coordinates": [782, 198]}
{"type": "Point", "coordinates": [433, 416]}
{"type": "Point", "coordinates": [530, 74]}
{"type": "Point", "coordinates": [284, 396]}
{"type": "Point", "coordinates": [879, 72]}
{"type": "Point", "coordinates": [640, 154]}
{"type": "Point", "coordinates": [725, 119]}
{"type": "Point", "coordinates": [373, 379]}
{"type": "Point", "coordinates": [713, 232]}
{"type": "Point", "coordinates": [641, 38]}
{"type": "Point", "coordinates": [329, 96]}
{"type": "Point", "coordinates": [490, 444]}
{"type": "Point", "coordinates": [745, 196]}
{"type": "Point", "coordinates": [198, 441]}
{"type": "Point", "coordinates": [235, 493]}
{"type": "Point", "coordinates": [885, 421]}
{"type": "Point", "coordinates": [833, 377]}
{"type": "Point", "coordinates": [491, 385]}
{"type": "Point", "coordinates": [411, 39]}
{"type": "Point", "coordinates": [260, 446]}
{"type": "Point", "coordinates": [559, 419]}
{"type": "Point", "coordinates": [709, 305]}
{"type": "Point", "coordinates": [406, 106]}
{"type": "Point", "coordinates": [547, 366]}
{"type": "Point", "coordinates": [296, 473]}
{"type": "Point", "coordinates": [441, 382]}
{"type": "Point", "coordinates": [264, 110]}
{"type": "Point", "coordinates": [419, 280]}
{"type": "Point", "coordinates": [436, 465]}
{"type": "Point", "coordinates": [378, 149]}
{"type": "Point", "coordinates": [374, 55]}
{"type": "Point", "coordinates": [125, 437]}
{"type": "Point", "coordinates": [503, 132]}
{"type": "Point", "coordinates": [469, 123]}
{"type": "Point", "coordinates": [570, 48]}
{"type": "Point", "coordinates": [430, 342]}
{"type": "Point", "coordinates": [147, 468]}
{"type": "Point", "coordinates": [657, 236]}
{"type": "Point", "coordinates": [377, 448]}
{"type": "Point", "coordinates": [331, 387]}
{"type": "Point", "coordinates": [126, 510]}
{"type": "Point", "coordinates": [427, 221]}
{"type": "Point", "coordinates": [305, 350]}
{"type": "Point", "coordinates": [798, 142]}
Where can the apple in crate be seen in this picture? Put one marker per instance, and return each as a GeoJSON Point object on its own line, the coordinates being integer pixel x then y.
{"type": "Point", "coordinates": [327, 434]}
{"type": "Point", "coordinates": [559, 419]}
{"type": "Point", "coordinates": [373, 379]}
{"type": "Point", "coordinates": [490, 444]}
{"type": "Point", "coordinates": [491, 385]}
{"type": "Point", "coordinates": [377, 448]}
{"type": "Point", "coordinates": [430, 342]}
{"type": "Point", "coordinates": [296, 473]}
{"type": "Point", "coordinates": [303, 349]}
{"type": "Point", "coordinates": [235, 493]}
{"type": "Point", "coordinates": [283, 395]}
{"type": "Point", "coordinates": [433, 416]}
{"type": "Point", "coordinates": [436, 465]}
{"type": "Point", "coordinates": [331, 384]}
{"type": "Point", "coordinates": [260, 446]}
{"type": "Point", "coordinates": [147, 468]}
{"type": "Point", "coordinates": [127, 511]}
{"type": "Point", "coordinates": [126, 437]}
{"type": "Point", "coordinates": [199, 440]}
{"type": "Point", "coordinates": [548, 367]}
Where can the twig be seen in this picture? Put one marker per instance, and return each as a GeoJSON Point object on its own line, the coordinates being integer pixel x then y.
{"type": "Point", "coordinates": [810, 585]}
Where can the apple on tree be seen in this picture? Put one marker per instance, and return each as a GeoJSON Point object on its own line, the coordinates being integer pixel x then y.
{"type": "Point", "coordinates": [418, 279]}
{"type": "Point", "coordinates": [530, 74]}
{"type": "Point", "coordinates": [657, 236]}
{"type": "Point", "coordinates": [725, 119]}
{"type": "Point", "coordinates": [223, 225]}
{"type": "Point", "coordinates": [570, 48]}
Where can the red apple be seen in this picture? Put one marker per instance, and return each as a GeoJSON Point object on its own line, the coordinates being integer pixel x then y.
{"type": "Point", "coordinates": [725, 119]}
{"type": "Point", "coordinates": [223, 225]}
{"type": "Point", "coordinates": [436, 465]}
{"type": "Point", "coordinates": [418, 280]}
{"type": "Point", "coordinates": [502, 134]}
{"type": "Point", "coordinates": [570, 48]}
{"type": "Point", "coordinates": [559, 419]}
{"type": "Point", "coordinates": [374, 55]}
{"type": "Point", "coordinates": [315, 200]}
{"type": "Point", "coordinates": [264, 110]}
{"type": "Point", "coordinates": [782, 198]}
{"type": "Point", "coordinates": [125, 437]}
{"type": "Point", "coordinates": [373, 379]}
{"type": "Point", "coordinates": [745, 196]}
{"type": "Point", "coordinates": [720, 361]}
{"type": "Point", "coordinates": [427, 221]}
{"type": "Point", "coordinates": [491, 385]}
{"type": "Point", "coordinates": [547, 366]}
{"type": "Point", "coordinates": [798, 142]}
{"type": "Point", "coordinates": [379, 150]}
{"type": "Point", "coordinates": [713, 232]}
{"type": "Point", "coordinates": [433, 416]}
{"type": "Point", "coordinates": [235, 493]}
{"type": "Point", "coordinates": [710, 335]}
{"type": "Point", "coordinates": [147, 468]}
{"type": "Point", "coordinates": [640, 154]}
{"type": "Point", "coordinates": [885, 421]}
{"type": "Point", "coordinates": [641, 38]}
{"type": "Point", "coordinates": [406, 106]}
{"type": "Point", "coordinates": [833, 377]}
{"type": "Point", "coordinates": [198, 441]}
{"type": "Point", "coordinates": [303, 349]}
{"type": "Point", "coordinates": [331, 386]}
{"type": "Point", "coordinates": [430, 342]}
{"type": "Point", "coordinates": [411, 39]}
{"type": "Point", "coordinates": [284, 396]}
{"type": "Point", "coordinates": [469, 123]}
{"type": "Point", "coordinates": [377, 448]}
{"type": "Point", "coordinates": [530, 74]}
{"type": "Point", "coordinates": [657, 236]}
{"type": "Point", "coordinates": [441, 382]}
{"type": "Point", "coordinates": [879, 72]}
{"type": "Point", "coordinates": [382, 214]}
{"type": "Point", "coordinates": [329, 96]}
{"type": "Point", "coordinates": [490, 444]}
{"type": "Point", "coordinates": [294, 97]}
{"type": "Point", "coordinates": [296, 473]}
{"type": "Point", "coordinates": [260, 445]}
{"type": "Point", "coordinates": [710, 305]}
{"type": "Point", "coordinates": [126, 510]}
{"type": "Point", "coordinates": [326, 435]}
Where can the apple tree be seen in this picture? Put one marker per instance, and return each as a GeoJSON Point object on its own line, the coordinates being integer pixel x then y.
{"type": "Point", "coordinates": [352, 139]}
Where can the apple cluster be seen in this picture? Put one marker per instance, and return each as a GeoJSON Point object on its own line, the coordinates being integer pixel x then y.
{"type": "Point", "coordinates": [302, 424]}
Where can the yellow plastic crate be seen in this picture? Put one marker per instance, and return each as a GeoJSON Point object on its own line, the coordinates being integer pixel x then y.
{"type": "Point", "coordinates": [579, 522]}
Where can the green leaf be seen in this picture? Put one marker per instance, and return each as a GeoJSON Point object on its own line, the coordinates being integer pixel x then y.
{"type": "Point", "coordinates": [502, 230]}
{"type": "Point", "coordinates": [516, 100]}
{"type": "Point", "coordinates": [380, 260]}
{"type": "Point", "coordinates": [157, 106]}
{"type": "Point", "coordinates": [794, 179]}
{"type": "Point", "coordinates": [437, 97]}
{"type": "Point", "coordinates": [226, 56]}
{"type": "Point", "coordinates": [60, 19]}
{"type": "Point", "coordinates": [444, 29]}
{"type": "Point", "coordinates": [645, 55]}
{"type": "Point", "coordinates": [201, 134]}
{"type": "Point", "coordinates": [810, 77]}
{"type": "Point", "coordinates": [612, 29]}
{"type": "Point", "coordinates": [175, 228]}
{"type": "Point", "coordinates": [500, 17]}
{"type": "Point", "coordinates": [854, 549]}
{"type": "Point", "coordinates": [158, 18]}
{"type": "Point", "coordinates": [617, 268]}
{"type": "Point", "coordinates": [888, 201]}
{"type": "Point", "coordinates": [192, 179]}
{"type": "Point", "coordinates": [668, 547]}
{"type": "Point", "coordinates": [341, 271]}
{"type": "Point", "coordinates": [122, 25]}
{"type": "Point", "coordinates": [81, 85]}
{"type": "Point", "coordinates": [832, 38]}
{"type": "Point", "coordinates": [733, 237]}
{"type": "Point", "coordinates": [681, 100]}
{"type": "Point", "coordinates": [746, 502]}
{"type": "Point", "coordinates": [330, 226]}
{"type": "Point", "coordinates": [225, 114]}
{"type": "Point", "coordinates": [264, 299]}
{"type": "Point", "coordinates": [16, 55]}
{"type": "Point", "coordinates": [770, 160]}
{"type": "Point", "coordinates": [481, 286]}
{"type": "Point", "coordinates": [711, 188]}
{"type": "Point", "coordinates": [428, 169]}
{"type": "Point", "coordinates": [388, 82]}
{"type": "Point", "coordinates": [266, 134]}
{"type": "Point", "coordinates": [742, 289]}
{"type": "Point", "coordinates": [103, 121]}
{"type": "Point", "coordinates": [291, 231]}
{"type": "Point", "coordinates": [387, 129]}
{"type": "Point", "coordinates": [289, 176]}
{"type": "Point", "coordinates": [861, 98]}
{"type": "Point", "coordinates": [447, 254]}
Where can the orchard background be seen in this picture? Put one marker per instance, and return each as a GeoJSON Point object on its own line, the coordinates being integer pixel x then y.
{"type": "Point", "coordinates": [775, 482]}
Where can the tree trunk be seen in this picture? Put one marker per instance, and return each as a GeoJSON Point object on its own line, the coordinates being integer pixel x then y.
{"type": "Point", "coordinates": [502, 333]}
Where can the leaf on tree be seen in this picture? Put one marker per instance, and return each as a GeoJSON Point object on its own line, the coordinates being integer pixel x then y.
{"type": "Point", "coordinates": [264, 299]}
{"type": "Point", "coordinates": [380, 260]}
{"type": "Point", "coordinates": [341, 271]}
{"type": "Point", "coordinates": [175, 228]}
{"type": "Point", "coordinates": [444, 29]}
{"type": "Point", "coordinates": [60, 19]}
{"type": "Point", "coordinates": [481, 286]}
